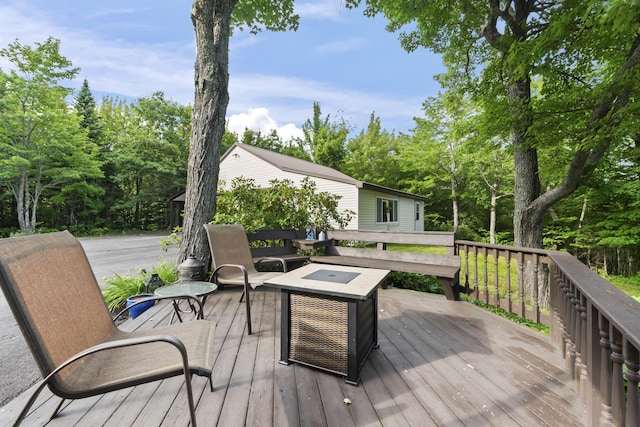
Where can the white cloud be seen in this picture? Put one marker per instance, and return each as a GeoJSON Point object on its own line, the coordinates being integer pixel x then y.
{"type": "Point", "coordinates": [329, 9]}
{"type": "Point", "coordinates": [134, 68]}
{"type": "Point", "coordinates": [259, 120]}
{"type": "Point", "coordinates": [290, 100]}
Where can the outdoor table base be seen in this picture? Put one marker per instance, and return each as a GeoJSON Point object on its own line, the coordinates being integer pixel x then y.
{"type": "Point", "coordinates": [329, 317]}
{"type": "Point", "coordinates": [333, 334]}
{"type": "Point", "coordinates": [178, 291]}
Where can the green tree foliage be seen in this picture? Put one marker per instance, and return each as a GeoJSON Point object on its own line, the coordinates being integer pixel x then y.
{"type": "Point", "coordinates": [85, 106]}
{"type": "Point", "coordinates": [81, 201]}
{"type": "Point", "coordinates": [280, 206]}
{"type": "Point", "coordinates": [273, 142]}
{"type": "Point", "coordinates": [600, 225]}
{"type": "Point", "coordinates": [456, 149]}
{"type": "Point", "coordinates": [148, 144]}
{"type": "Point", "coordinates": [326, 140]}
{"type": "Point", "coordinates": [372, 156]}
{"type": "Point", "coordinates": [585, 54]}
{"type": "Point", "coordinates": [42, 145]}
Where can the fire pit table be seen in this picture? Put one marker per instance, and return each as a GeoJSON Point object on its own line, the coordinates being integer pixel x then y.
{"type": "Point", "coordinates": [329, 317]}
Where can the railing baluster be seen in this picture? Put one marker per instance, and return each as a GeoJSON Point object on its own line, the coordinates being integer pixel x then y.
{"type": "Point", "coordinates": [475, 272]}
{"type": "Point", "coordinates": [508, 281]}
{"type": "Point", "coordinates": [606, 418]}
{"type": "Point", "coordinates": [521, 282]}
{"type": "Point", "coordinates": [496, 280]}
{"type": "Point", "coordinates": [536, 288]}
{"type": "Point", "coordinates": [485, 279]}
{"type": "Point", "coordinates": [617, 383]}
{"type": "Point", "coordinates": [583, 349]}
{"type": "Point", "coordinates": [571, 319]}
{"type": "Point", "coordinates": [578, 339]}
{"type": "Point", "coordinates": [466, 268]}
{"type": "Point", "coordinates": [633, 376]}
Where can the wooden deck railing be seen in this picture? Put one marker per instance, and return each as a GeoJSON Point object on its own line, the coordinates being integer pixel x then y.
{"type": "Point", "coordinates": [596, 326]}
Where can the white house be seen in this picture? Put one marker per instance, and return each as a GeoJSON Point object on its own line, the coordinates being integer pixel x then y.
{"type": "Point", "coordinates": [376, 207]}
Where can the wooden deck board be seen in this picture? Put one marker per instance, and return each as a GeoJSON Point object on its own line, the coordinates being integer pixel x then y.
{"type": "Point", "coordinates": [439, 363]}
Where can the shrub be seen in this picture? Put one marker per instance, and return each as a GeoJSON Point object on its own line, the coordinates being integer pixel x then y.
{"type": "Point", "coordinates": [414, 281]}
{"type": "Point", "coordinates": [119, 288]}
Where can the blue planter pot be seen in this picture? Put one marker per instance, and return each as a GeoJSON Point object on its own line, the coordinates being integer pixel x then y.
{"type": "Point", "coordinates": [140, 308]}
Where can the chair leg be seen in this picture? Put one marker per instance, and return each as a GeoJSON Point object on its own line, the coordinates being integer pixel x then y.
{"type": "Point", "coordinates": [192, 405]}
{"type": "Point", "coordinates": [55, 413]}
{"type": "Point", "coordinates": [248, 304]}
{"type": "Point", "coordinates": [31, 401]}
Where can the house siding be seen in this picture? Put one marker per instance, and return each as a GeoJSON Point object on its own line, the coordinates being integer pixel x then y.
{"type": "Point", "coordinates": [367, 208]}
{"type": "Point", "coordinates": [239, 163]}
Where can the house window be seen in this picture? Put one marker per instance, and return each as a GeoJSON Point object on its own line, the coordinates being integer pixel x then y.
{"type": "Point", "coordinates": [386, 210]}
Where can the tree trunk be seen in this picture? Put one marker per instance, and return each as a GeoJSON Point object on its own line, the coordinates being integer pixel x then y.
{"type": "Point", "coordinates": [492, 217]}
{"type": "Point", "coordinates": [454, 206]}
{"type": "Point", "coordinates": [583, 213]}
{"type": "Point", "coordinates": [527, 221]}
{"type": "Point", "coordinates": [212, 22]}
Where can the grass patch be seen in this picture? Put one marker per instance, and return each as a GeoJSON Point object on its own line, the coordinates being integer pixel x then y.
{"type": "Point", "coordinates": [628, 285]}
{"type": "Point", "coordinates": [511, 316]}
{"type": "Point", "coordinates": [438, 250]}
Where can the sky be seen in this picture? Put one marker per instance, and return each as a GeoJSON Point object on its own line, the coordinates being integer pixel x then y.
{"type": "Point", "coordinates": [346, 62]}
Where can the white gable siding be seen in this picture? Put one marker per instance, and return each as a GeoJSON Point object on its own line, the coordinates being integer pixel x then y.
{"type": "Point", "coordinates": [242, 163]}
{"type": "Point", "coordinates": [239, 162]}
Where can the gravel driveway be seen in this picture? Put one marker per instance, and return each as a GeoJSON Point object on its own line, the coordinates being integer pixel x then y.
{"type": "Point", "coordinates": [124, 255]}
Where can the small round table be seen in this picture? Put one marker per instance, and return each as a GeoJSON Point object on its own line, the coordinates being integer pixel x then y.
{"type": "Point", "coordinates": [182, 288]}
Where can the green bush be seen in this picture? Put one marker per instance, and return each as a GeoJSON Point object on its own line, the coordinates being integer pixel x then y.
{"type": "Point", "coordinates": [414, 281]}
{"type": "Point", "coordinates": [119, 288]}
{"type": "Point", "coordinates": [282, 205]}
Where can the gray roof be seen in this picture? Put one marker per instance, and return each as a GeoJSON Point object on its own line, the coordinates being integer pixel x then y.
{"type": "Point", "coordinates": [294, 165]}
{"type": "Point", "coordinates": [303, 167]}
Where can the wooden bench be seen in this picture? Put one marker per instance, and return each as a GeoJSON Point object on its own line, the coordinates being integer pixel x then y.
{"type": "Point", "coordinates": [277, 244]}
{"type": "Point", "coordinates": [445, 268]}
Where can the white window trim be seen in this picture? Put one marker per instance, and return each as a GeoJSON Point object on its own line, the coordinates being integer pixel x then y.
{"type": "Point", "coordinates": [395, 210]}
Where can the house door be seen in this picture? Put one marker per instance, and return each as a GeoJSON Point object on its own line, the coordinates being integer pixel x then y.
{"type": "Point", "coordinates": [419, 222]}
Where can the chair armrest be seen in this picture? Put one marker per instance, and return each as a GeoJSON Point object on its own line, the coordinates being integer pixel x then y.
{"type": "Point", "coordinates": [158, 298]}
{"type": "Point", "coordinates": [127, 342]}
{"type": "Point", "coordinates": [280, 260]}
{"type": "Point", "coordinates": [214, 275]}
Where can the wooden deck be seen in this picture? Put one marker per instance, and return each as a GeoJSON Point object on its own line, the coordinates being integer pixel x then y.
{"type": "Point", "coordinates": [440, 363]}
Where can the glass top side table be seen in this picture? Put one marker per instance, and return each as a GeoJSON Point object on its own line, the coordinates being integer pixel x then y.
{"type": "Point", "coordinates": [184, 288]}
